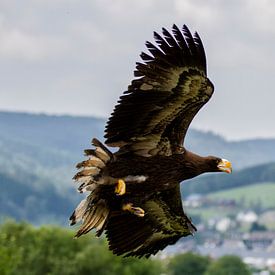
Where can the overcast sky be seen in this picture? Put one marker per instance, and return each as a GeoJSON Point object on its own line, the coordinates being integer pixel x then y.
{"type": "Point", "coordinates": [77, 57]}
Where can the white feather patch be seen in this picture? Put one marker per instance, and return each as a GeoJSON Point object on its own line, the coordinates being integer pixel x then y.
{"type": "Point", "coordinates": [138, 179]}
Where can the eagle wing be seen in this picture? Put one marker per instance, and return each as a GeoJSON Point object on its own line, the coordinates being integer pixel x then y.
{"type": "Point", "coordinates": [171, 86]}
{"type": "Point", "coordinates": [163, 224]}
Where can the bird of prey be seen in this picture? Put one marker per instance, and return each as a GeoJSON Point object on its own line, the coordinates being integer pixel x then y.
{"type": "Point", "coordinates": [133, 195]}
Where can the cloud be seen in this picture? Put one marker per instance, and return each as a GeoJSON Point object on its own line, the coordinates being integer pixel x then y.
{"type": "Point", "coordinates": [18, 44]}
{"type": "Point", "coordinates": [71, 56]}
{"type": "Point", "coordinates": [263, 14]}
{"type": "Point", "coordinates": [199, 12]}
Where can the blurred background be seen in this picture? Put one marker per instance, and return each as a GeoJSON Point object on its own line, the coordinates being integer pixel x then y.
{"type": "Point", "coordinates": [63, 65]}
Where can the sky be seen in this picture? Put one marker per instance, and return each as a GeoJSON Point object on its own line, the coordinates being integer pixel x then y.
{"type": "Point", "coordinates": [77, 57]}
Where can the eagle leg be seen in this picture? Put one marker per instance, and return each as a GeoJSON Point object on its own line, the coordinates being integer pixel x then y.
{"type": "Point", "coordinates": [120, 188]}
{"type": "Point", "coordinates": [134, 210]}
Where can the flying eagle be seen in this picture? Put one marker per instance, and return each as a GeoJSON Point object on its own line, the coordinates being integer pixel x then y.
{"type": "Point", "coordinates": [134, 193]}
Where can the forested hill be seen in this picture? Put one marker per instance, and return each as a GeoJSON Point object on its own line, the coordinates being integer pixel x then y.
{"type": "Point", "coordinates": [62, 133]}
{"type": "Point", "coordinates": [51, 139]}
{"type": "Point", "coordinates": [21, 201]}
{"type": "Point", "coordinates": [38, 154]}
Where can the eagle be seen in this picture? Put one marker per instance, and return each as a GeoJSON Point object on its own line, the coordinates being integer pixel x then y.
{"type": "Point", "coordinates": [133, 194]}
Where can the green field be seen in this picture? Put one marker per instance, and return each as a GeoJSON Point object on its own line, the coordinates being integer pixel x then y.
{"type": "Point", "coordinates": [207, 213]}
{"type": "Point", "coordinates": [262, 193]}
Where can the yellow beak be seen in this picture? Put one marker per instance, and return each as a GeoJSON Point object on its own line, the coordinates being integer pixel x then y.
{"type": "Point", "coordinates": [225, 166]}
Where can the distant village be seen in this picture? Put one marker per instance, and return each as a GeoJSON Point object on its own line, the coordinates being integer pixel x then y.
{"type": "Point", "coordinates": [245, 233]}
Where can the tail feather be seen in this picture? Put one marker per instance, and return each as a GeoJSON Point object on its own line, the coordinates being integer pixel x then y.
{"type": "Point", "coordinates": [102, 154]}
{"type": "Point", "coordinates": [93, 211]}
{"type": "Point", "coordinates": [87, 171]}
{"type": "Point", "coordinates": [91, 162]}
{"type": "Point", "coordinates": [79, 212]}
{"type": "Point", "coordinates": [98, 144]}
{"type": "Point", "coordinates": [94, 218]}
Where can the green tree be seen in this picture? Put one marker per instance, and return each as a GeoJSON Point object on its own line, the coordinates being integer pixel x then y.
{"type": "Point", "coordinates": [51, 250]}
{"type": "Point", "coordinates": [228, 265]}
{"type": "Point", "coordinates": [188, 264]}
{"type": "Point", "coordinates": [255, 226]}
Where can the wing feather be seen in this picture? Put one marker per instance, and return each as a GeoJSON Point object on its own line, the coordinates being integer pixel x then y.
{"type": "Point", "coordinates": [164, 223]}
{"type": "Point", "coordinates": [153, 115]}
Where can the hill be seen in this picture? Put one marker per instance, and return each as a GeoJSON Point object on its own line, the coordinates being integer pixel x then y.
{"type": "Point", "coordinates": [39, 205]}
{"type": "Point", "coordinates": [57, 140]}
{"type": "Point", "coordinates": [38, 154]}
{"type": "Point", "coordinates": [262, 194]}
{"type": "Point", "coordinates": [45, 146]}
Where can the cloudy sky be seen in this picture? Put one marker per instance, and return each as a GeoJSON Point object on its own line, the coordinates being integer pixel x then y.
{"type": "Point", "coordinates": [77, 57]}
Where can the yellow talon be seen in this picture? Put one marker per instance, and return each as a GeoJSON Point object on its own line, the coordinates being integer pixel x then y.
{"type": "Point", "coordinates": [134, 210]}
{"type": "Point", "coordinates": [120, 188]}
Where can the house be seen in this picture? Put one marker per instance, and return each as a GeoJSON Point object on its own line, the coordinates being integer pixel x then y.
{"type": "Point", "coordinates": [259, 240]}
{"type": "Point", "coordinates": [247, 217]}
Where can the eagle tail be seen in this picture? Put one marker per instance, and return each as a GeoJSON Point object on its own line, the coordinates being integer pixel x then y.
{"type": "Point", "coordinates": [92, 211]}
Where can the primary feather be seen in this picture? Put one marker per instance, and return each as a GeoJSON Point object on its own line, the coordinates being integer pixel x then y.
{"type": "Point", "coordinates": [170, 89]}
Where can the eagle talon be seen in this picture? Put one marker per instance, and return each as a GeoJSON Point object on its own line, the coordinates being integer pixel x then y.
{"type": "Point", "coordinates": [134, 210]}
{"type": "Point", "coordinates": [120, 188]}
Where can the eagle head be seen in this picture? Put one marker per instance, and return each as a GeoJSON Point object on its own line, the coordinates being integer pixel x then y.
{"type": "Point", "coordinates": [224, 166]}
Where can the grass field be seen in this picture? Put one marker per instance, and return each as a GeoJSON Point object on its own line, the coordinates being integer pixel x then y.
{"type": "Point", "coordinates": [211, 212]}
{"type": "Point", "coordinates": [263, 193]}
{"type": "Point", "coordinates": [247, 197]}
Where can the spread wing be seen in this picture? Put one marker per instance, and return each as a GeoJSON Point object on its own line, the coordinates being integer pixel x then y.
{"type": "Point", "coordinates": [163, 224]}
{"type": "Point", "coordinates": [171, 86]}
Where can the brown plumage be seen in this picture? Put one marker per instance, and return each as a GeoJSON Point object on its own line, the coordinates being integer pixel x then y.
{"type": "Point", "coordinates": [148, 125]}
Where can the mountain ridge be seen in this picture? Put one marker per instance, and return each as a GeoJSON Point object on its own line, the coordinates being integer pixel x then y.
{"type": "Point", "coordinates": [38, 154]}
